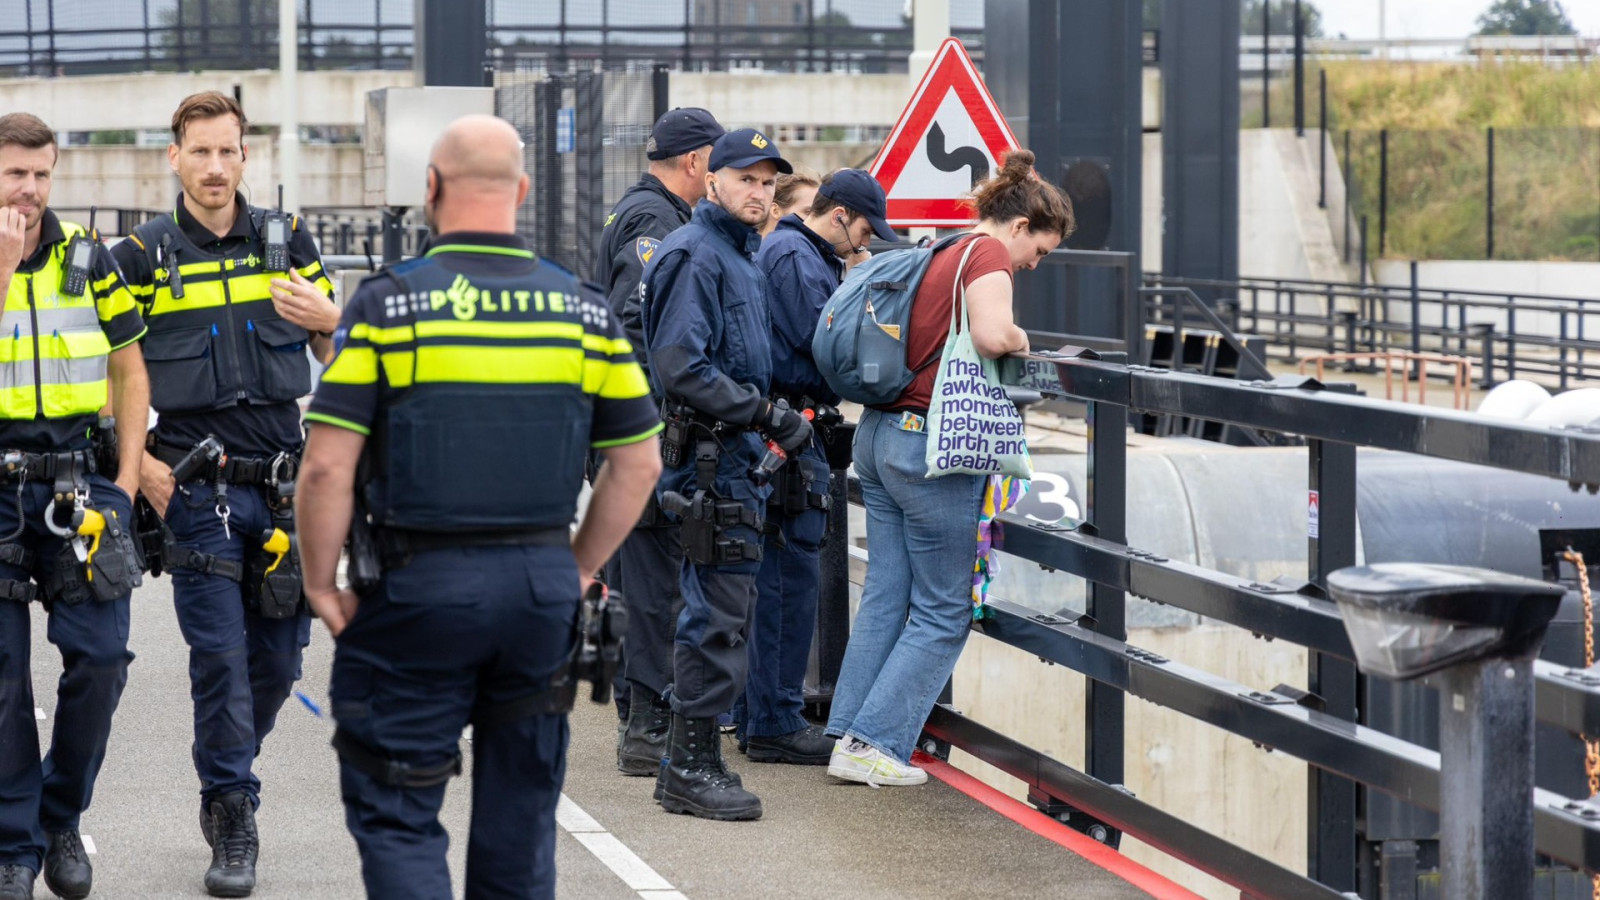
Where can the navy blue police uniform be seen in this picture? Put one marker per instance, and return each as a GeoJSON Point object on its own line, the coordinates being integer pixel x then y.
{"type": "Point", "coordinates": [803, 268]}
{"type": "Point", "coordinates": [802, 271]}
{"type": "Point", "coordinates": [483, 377]}
{"type": "Point", "coordinates": [54, 358]}
{"type": "Point", "coordinates": [707, 326]}
{"type": "Point", "coordinates": [224, 363]}
{"type": "Point", "coordinates": [646, 567]}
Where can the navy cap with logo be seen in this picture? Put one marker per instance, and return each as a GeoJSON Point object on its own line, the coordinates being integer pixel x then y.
{"type": "Point", "coordinates": [858, 191]}
{"type": "Point", "coordinates": [680, 130]}
{"type": "Point", "coordinates": [744, 148]}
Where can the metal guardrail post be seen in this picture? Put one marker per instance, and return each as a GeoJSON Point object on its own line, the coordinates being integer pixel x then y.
{"type": "Point", "coordinates": [1484, 332]}
{"type": "Point", "coordinates": [1108, 515]}
{"type": "Point", "coordinates": [1331, 545]}
{"type": "Point", "coordinates": [1485, 779]}
{"type": "Point", "coordinates": [1416, 322]}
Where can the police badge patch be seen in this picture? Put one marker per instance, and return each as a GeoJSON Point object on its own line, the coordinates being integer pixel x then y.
{"type": "Point", "coordinates": [646, 248]}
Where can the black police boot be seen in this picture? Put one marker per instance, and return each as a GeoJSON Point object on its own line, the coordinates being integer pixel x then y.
{"type": "Point", "coordinates": [16, 883]}
{"type": "Point", "coordinates": [66, 866]}
{"type": "Point", "coordinates": [234, 847]}
{"type": "Point", "coordinates": [644, 741]}
{"type": "Point", "coordinates": [695, 781]}
{"type": "Point", "coordinates": [806, 747]}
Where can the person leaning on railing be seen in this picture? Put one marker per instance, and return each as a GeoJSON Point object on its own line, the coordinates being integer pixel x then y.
{"type": "Point", "coordinates": [922, 532]}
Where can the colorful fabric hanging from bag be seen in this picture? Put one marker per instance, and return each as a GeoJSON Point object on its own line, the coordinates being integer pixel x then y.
{"type": "Point", "coordinates": [1000, 493]}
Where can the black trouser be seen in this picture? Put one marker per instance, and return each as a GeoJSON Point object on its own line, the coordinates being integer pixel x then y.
{"type": "Point", "coordinates": [650, 562]}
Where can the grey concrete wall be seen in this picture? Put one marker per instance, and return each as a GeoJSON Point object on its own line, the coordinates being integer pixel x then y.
{"type": "Point", "coordinates": [140, 178]}
{"type": "Point", "coordinates": [117, 102]}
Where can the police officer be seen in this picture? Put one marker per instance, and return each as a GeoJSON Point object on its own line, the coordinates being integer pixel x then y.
{"type": "Point", "coordinates": [483, 377]}
{"type": "Point", "coordinates": [804, 261]}
{"type": "Point", "coordinates": [650, 558]}
{"type": "Point", "coordinates": [707, 325]}
{"type": "Point", "coordinates": [68, 321]}
{"type": "Point", "coordinates": [233, 295]}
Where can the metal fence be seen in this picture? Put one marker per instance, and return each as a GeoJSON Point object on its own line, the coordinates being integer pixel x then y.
{"type": "Point", "coordinates": [1323, 725]}
{"type": "Point", "coordinates": [1553, 340]}
{"type": "Point", "coordinates": [79, 37]}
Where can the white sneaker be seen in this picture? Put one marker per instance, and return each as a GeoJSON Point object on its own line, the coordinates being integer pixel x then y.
{"type": "Point", "coordinates": [861, 762]}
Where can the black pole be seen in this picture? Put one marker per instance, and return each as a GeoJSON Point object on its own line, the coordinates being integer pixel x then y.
{"type": "Point", "coordinates": [1322, 139]}
{"type": "Point", "coordinates": [1299, 72]}
{"type": "Point", "coordinates": [659, 88]}
{"type": "Point", "coordinates": [1416, 323]}
{"type": "Point", "coordinates": [1348, 190]}
{"type": "Point", "coordinates": [1266, 73]}
{"type": "Point", "coordinates": [1488, 227]}
{"type": "Point", "coordinates": [1363, 250]}
{"type": "Point", "coordinates": [1383, 191]}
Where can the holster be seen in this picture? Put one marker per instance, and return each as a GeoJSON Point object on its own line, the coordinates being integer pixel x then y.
{"type": "Point", "coordinates": [275, 591]}
{"type": "Point", "coordinates": [795, 492]}
{"type": "Point", "coordinates": [110, 574]}
{"type": "Point", "coordinates": [706, 518]}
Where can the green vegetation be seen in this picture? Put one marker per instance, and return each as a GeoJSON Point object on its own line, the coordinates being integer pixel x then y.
{"type": "Point", "coordinates": [1525, 17]}
{"type": "Point", "coordinates": [1547, 155]}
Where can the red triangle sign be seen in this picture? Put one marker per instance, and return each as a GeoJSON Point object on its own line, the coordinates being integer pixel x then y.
{"type": "Point", "coordinates": [949, 132]}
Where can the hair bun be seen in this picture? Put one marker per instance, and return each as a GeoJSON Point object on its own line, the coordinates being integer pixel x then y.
{"type": "Point", "coordinates": [1017, 166]}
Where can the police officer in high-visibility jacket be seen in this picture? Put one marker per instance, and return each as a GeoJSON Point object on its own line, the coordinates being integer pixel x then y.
{"type": "Point", "coordinates": [707, 324]}
{"type": "Point", "coordinates": [233, 294]}
{"type": "Point", "coordinates": [68, 322]}
{"type": "Point", "coordinates": [476, 381]}
{"type": "Point", "coordinates": [647, 565]}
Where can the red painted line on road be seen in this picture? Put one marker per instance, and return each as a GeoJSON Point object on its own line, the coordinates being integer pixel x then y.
{"type": "Point", "coordinates": [1157, 886]}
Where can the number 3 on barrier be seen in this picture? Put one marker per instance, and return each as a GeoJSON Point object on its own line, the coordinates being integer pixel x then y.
{"type": "Point", "coordinates": [1049, 500]}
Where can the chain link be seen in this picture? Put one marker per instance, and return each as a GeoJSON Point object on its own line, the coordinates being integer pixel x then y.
{"type": "Point", "coordinates": [1591, 746]}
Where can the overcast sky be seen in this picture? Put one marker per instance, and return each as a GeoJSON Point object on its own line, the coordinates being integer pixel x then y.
{"type": "Point", "coordinates": [1358, 19]}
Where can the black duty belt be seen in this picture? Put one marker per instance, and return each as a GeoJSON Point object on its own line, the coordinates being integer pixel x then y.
{"type": "Point", "coordinates": [398, 545]}
{"type": "Point", "coordinates": [15, 464]}
{"type": "Point", "coordinates": [246, 470]}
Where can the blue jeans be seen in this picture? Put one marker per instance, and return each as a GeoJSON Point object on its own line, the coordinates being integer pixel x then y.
{"type": "Point", "coordinates": [458, 635]}
{"type": "Point", "coordinates": [242, 665]}
{"type": "Point", "coordinates": [916, 604]}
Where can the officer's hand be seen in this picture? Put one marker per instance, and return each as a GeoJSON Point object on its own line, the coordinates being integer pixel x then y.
{"type": "Point", "coordinates": [856, 259]}
{"type": "Point", "coordinates": [333, 606]}
{"type": "Point", "coordinates": [13, 232]}
{"type": "Point", "coordinates": [155, 482]}
{"type": "Point", "coordinates": [789, 428]}
{"type": "Point", "coordinates": [298, 300]}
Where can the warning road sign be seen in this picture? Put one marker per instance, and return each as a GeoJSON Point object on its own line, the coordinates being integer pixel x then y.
{"type": "Point", "coordinates": [950, 136]}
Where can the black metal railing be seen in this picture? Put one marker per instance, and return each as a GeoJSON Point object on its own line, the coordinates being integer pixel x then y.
{"type": "Point", "coordinates": [1544, 338]}
{"type": "Point", "coordinates": [54, 37]}
{"type": "Point", "coordinates": [1320, 726]}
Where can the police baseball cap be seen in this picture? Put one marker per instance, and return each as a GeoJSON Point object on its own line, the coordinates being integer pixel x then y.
{"type": "Point", "coordinates": [744, 148]}
{"type": "Point", "coordinates": [680, 130]}
{"type": "Point", "coordinates": [856, 190]}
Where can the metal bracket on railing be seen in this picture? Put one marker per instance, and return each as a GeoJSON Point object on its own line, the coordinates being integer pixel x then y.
{"type": "Point", "coordinates": [1146, 555]}
{"type": "Point", "coordinates": [1288, 584]}
{"type": "Point", "coordinates": [1077, 819]}
{"type": "Point", "coordinates": [1289, 383]}
{"type": "Point", "coordinates": [1145, 656]}
{"type": "Point", "coordinates": [1585, 677]}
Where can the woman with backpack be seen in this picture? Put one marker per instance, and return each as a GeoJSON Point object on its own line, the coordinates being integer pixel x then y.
{"type": "Point", "coordinates": [916, 603]}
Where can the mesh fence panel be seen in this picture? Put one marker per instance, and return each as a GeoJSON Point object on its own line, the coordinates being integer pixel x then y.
{"type": "Point", "coordinates": [1546, 184]}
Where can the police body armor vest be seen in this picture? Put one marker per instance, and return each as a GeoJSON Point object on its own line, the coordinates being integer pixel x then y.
{"type": "Point", "coordinates": [53, 351]}
{"type": "Point", "coordinates": [222, 342]}
{"type": "Point", "coordinates": [475, 444]}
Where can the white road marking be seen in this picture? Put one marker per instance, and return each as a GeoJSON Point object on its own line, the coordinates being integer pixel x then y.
{"type": "Point", "coordinates": [623, 862]}
{"type": "Point", "coordinates": [88, 843]}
